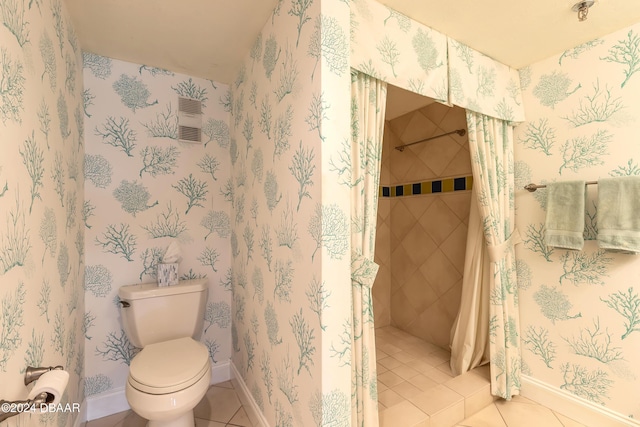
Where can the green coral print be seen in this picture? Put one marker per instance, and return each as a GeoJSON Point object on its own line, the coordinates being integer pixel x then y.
{"type": "Point", "coordinates": [583, 151]}
{"type": "Point", "coordinates": [595, 343]}
{"type": "Point", "coordinates": [535, 241]}
{"type": "Point", "coordinates": [538, 342]}
{"type": "Point", "coordinates": [389, 53]}
{"type": "Point", "coordinates": [539, 136]}
{"type": "Point", "coordinates": [626, 304]}
{"type": "Point", "coordinates": [554, 304]}
{"type": "Point", "coordinates": [574, 53]}
{"type": "Point", "coordinates": [553, 88]}
{"type": "Point", "coordinates": [13, 18]}
{"type": "Point", "coordinates": [12, 88]}
{"type": "Point", "coordinates": [11, 322]}
{"type": "Point", "coordinates": [299, 11]}
{"type": "Point", "coordinates": [133, 92]}
{"type": "Point", "coordinates": [591, 385]}
{"type": "Point", "coordinates": [626, 52]}
{"type": "Point", "coordinates": [133, 197]}
{"type": "Point", "coordinates": [630, 169]}
{"type": "Point", "coordinates": [329, 228]}
{"type": "Point", "coordinates": [579, 267]}
{"type": "Point", "coordinates": [334, 46]}
{"type": "Point", "coordinates": [597, 107]}
{"type": "Point", "coordinates": [403, 21]}
{"type": "Point", "coordinates": [425, 50]}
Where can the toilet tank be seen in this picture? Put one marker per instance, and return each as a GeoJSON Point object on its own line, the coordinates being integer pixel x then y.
{"type": "Point", "coordinates": [152, 314]}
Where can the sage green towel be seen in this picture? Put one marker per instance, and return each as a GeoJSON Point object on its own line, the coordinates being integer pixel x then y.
{"type": "Point", "coordinates": [564, 225]}
{"type": "Point", "coordinates": [619, 214]}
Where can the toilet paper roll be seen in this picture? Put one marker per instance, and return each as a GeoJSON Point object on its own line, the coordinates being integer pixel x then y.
{"type": "Point", "coordinates": [53, 382]}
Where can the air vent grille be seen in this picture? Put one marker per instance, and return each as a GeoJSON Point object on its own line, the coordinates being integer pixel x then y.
{"type": "Point", "coordinates": [189, 120]}
{"type": "Point", "coordinates": [189, 106]}
{"type": "Point", "coordinates": [190, 134]}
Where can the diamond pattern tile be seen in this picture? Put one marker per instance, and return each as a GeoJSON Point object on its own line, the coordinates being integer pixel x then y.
{"type": "Point", "coordinates": [440, 272]}
{"type": "Point", "coordinates": [419, 245]}
{"type": "Point", "coordinates": [439, 221]}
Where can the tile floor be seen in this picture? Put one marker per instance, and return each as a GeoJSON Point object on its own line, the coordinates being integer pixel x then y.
{"type": "Point", "coordinates": [220, 407]}
{"type": "Point", "coordinates": [415, 389]}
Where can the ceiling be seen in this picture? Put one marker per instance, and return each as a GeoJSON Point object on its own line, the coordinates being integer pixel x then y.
{"type": "Point", "coordinates": [209, 38]}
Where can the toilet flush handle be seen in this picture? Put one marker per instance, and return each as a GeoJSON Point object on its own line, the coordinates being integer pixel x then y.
{"type": "Point", "coordinates": [124, 304]}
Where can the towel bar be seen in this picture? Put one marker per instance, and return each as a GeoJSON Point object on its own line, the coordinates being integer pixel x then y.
{"type": "Point", "coordinates": [533, 187]}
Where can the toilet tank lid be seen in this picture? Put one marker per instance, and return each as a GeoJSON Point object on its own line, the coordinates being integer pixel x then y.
{"type": "Point", "coordinates": [152, 290]}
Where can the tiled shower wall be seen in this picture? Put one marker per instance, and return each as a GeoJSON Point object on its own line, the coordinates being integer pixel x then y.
{"type": "Point", "coordinates": [421, 239]}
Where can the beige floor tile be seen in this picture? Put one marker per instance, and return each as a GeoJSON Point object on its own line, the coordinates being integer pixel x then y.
{"type": "Point", "coordinates": [405, 372]}
{"type": "Point", "coordinates": [390, 379]}
{"type": "Point", "coordinates": [478, 401]}
{"type": "Point", "coordinates": [219, 404]}
{"type": "Point", "coordinates": [419, 365]}
{"type": "Point", "coordinates": [240, 419]}
{"type": "Point", "coordinates": [109, 421]}
{"type": "Point", "coordinates": [390, 362]}
{"type": "Point", "coordinates": [407, 390]}
{"type": "Point", "coordinates": [488, 417]}
{"type": "Point", "coordinates": [518, 414]}
{"type": "Point", "coordinates": [567, 422]}
{"type": "Point", "coordinates": [405, 415]}
{"type": "Point", "coordinates": [467, 384]}
{"type": "Point", "coordinates": [206, 423]}
{"type": "Point", "coordinates": [423, 382]}
{"type": "Point", "coordinates": [389, 348]}
{"type": "Point", "coordinates": [436, 399]}
{"type": "Point", "coordinates": [404, 356]}
{"type": "Point", "coordinates": [445, 367]}
{"type": "Point", "coordinates": [483, 371]}
{"type": "Point", "coordinates": [448, 416]}
{"type": "Point", "coordinates": [390, 398]}
{"type": "Point", "coordinates": [437, 375]}
{"type": "Point", "coordinates": [225, 384]}
{"type": "Point", "coordinates": [131, 420]}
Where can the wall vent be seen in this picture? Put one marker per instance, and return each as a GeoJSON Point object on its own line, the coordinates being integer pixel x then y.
{"type": "Point", "coordinates": [189, 120]}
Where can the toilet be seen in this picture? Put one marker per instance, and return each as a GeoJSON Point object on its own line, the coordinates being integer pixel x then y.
{"type": "Point", "coordinates": [172, 372]}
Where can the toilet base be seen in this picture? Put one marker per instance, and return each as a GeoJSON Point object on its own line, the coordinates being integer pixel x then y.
{"type": "Point", "coordinates": [185, 420]}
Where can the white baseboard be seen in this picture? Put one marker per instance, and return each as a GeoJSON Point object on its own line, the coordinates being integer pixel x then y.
{"type": "Point", "coordinates": [108, 403]}
{"type": "Point", "coordinates": [114, 400]}
{"type": "Point", "coordinates": [246, 398]}
{"type": "Point", "coordinates": [572, 406]}
{"type": "Point", "coordinates": [81, 419]}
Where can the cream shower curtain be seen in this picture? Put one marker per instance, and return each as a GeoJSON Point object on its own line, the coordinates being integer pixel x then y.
{"type": "Point", "coordinates": [491, 148]}
{"type": "Point", "coordinates": [368, 104]}
{"type": "Point", "coordinates": [470, 331]}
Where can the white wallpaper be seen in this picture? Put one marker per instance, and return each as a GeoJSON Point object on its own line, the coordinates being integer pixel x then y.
{"type": "Point", "coordinates": [143, 190]}
{"type": "Point", "coordinates": [41, 196]}
{"type": "Point", "coordinates": [290, 221]}
{"type": "Point", "coordinates": [580, 310]}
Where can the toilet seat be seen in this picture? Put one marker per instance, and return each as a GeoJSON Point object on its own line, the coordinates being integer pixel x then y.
{"type": "Point", "coordinates": [169, 366]}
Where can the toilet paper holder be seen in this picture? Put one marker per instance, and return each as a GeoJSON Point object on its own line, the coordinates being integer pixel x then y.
{"type": "Point", "coordinates": [32, 374]}
{"type": "Point", "coordinates": [10, 408]}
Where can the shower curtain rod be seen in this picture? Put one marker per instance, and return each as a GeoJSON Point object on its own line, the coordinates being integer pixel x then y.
{"type": "Point", "coordinates": [533, 187]}
{"type": "Point", "coordinates": [460, 132]}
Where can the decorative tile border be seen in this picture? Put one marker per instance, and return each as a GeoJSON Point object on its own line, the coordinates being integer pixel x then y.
{"type": "Point", "coordinates": [427, 187]}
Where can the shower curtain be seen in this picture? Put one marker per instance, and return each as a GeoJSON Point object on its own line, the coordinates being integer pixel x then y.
{"type": "Point", "coordinates": [368, 104]}
{"type": "Point", "coordinates": [470, 331]}
{"type": "Point", "coordinates": [491, 148]}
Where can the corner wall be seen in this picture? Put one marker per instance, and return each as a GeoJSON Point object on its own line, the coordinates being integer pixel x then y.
{"type": "Point", "coordinates": [578, 308]}
{"type": "Point", "coordinates": [41, 197]}
{"type": "Point", "coordinates": [290, 114]}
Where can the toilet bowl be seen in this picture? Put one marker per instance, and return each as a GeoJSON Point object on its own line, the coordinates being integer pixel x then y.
{"type": "Point", "coordinates": [172, 372]}
{"type": "Point", "coordinates": [167, 380]}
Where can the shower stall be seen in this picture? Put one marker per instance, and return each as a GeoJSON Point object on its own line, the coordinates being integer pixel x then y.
{"type": "Point", "coordinates": [423, 213]}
